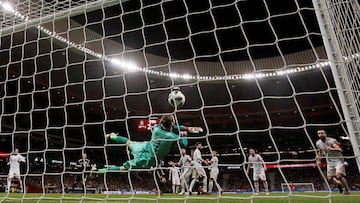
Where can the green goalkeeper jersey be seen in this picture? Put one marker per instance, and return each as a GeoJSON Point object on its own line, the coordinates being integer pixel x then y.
{"type": "Point", "coordinates": [162, 140]}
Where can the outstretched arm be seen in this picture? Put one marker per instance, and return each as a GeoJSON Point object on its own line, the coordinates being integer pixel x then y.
{"type": "Point", "coordinates": [264, 164]}
{"type": "Point", "coordinates": [22, 159]}
{"type": "Point", "coordinates": [248, 168]}
{"type": "Point", "coordinates": [188, 129]}
{"type": "Point", "coordinates": [115, 137]}
{"type": "Point", "coordinates": [335, 147]}
{"type": "Point", "coordinates": [170, 172]}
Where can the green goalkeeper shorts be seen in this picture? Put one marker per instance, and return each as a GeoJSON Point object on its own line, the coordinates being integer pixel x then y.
{"type": "Point", "coordinates": [143, 156]}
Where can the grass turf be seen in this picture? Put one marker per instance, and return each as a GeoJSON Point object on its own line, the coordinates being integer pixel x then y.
{"type": "Point", "coordinates": [307, 197]}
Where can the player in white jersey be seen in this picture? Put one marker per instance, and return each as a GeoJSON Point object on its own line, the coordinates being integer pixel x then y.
{"type": "Point", "coordinates": [14, 171]}
{"type": "Point", "coordinates": [214, 172]}
{"type": "Point", "coordinates": [259, 168]}
{"type": "Point", "coordinates": [330, 147]}
{"type": "Point", "coordinates": [198, 171]}
{"type": "Point", "coordinates": [174, 176]}
{"type": "Point", "coordinates": [185, 163]}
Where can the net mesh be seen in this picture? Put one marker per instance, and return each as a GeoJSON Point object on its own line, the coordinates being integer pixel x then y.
{"type": "Point", "coordinates": [254, 74]}
{"type": "Point", "coordinates": [300, 187]}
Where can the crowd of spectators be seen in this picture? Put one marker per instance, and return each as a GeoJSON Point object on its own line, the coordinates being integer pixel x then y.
{"type": "Point", "coordinates": [232, 180]}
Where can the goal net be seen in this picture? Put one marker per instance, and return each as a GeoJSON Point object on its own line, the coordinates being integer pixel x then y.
{"type": "Point", "coordinates": [261, 74]}
{"type": "Point", "coordinates": [298, 187]}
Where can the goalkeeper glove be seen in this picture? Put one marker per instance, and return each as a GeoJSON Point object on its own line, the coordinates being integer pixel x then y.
{"type": "Point", "coordinates": [195, 130]}
{"type": "Point", "coordinates": [111, 134]}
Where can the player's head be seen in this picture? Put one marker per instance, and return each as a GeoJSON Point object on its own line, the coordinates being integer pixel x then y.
{"type": "Point", "coordinates": [167, 121]}
{"type": "Point", "coordinates": [16, 151]}
{"type": "Point", "coordinates": [322, 134]}
{"type": "Point", "coordinates": [183, 151]}
{"type": "Point", "coordinates": [198, 145]}
{"type": "Point", "coordinates": [252, 152]}
{"type": "Point", "coordinates": [84, 156]}
{"type": "Point", "coordinates": [214, 153]}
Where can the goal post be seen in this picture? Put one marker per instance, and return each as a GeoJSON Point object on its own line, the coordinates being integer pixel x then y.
{"type": "Point", "coordinates": [339, 26]}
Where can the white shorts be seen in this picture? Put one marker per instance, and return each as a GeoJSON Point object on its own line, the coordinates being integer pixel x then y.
{"type": "Point", "coordinates": [176, 181]}
{"type": "Point", "coordinates": [214, 172]}
{"type": "Point", "coordinates": [338, 168]}
{"type": "Point", "coordinates": [259, 175]}
{"type": "Point", "coordinates": [14, 173]}
{"type": "Point", "coordinates": [198, 172]}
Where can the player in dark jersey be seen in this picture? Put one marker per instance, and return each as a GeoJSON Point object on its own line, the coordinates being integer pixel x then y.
{"type": "Point", "coordinates": [87, 167]}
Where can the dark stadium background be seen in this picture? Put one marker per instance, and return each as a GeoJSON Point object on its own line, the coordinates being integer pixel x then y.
{"type": "Point", "coordinates": [44, 112]}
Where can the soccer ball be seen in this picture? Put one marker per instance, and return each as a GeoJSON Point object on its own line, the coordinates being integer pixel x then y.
{"type": "Point", "coordinates": [176, 98]}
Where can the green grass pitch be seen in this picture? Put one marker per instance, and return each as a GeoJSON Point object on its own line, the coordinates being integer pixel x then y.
{"type": "Point", "coordinates": [152, 198]}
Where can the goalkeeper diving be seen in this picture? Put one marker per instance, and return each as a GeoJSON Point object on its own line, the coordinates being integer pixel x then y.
{"type": "Point", "coordinates": [148, 153]}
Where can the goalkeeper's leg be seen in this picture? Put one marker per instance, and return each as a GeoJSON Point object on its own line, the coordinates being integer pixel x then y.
{"type": "Point", "coordinates": [115, 137]}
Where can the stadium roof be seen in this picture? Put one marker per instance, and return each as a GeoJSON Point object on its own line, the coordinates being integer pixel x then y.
{"type": "Point", "coordinates": [232, 30]}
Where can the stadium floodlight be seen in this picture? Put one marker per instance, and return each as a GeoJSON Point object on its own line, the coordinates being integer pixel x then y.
{"type": "Point", "coordinates": [123, 64]}
{"type": "Point", "coordinates": [61, 90]}
{"type": "Point", "coordinates": [7, 7]}
{"type": "Point", "coordinates": [187, 76]}
{"type": "Point", "coordinates": [132, 67]}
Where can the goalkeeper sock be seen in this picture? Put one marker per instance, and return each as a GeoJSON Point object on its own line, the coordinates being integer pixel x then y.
{"type": "Point", "coordinates": [121, 139]}
{"type": "Point", "coordinates": [115, 168]}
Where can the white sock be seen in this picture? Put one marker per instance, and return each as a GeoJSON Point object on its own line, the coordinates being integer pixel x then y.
{"type": "Point", "coordinates": [211, 183]}
{"type": "Point", "coordinates": [8, 185]}
{"type": "Point", "coordinates": [192, 184]}
{"type": "Point", "coordinates": [266, 186]}
{"type": "Point", "coordinates": [218, 186]}
{"type": "Point", "coordinates": [256, 184]}
{"type": "Point", "coordinates": [205, 184]}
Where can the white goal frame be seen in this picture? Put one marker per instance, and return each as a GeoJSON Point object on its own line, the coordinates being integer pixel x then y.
{"type": "Point", "coordinates": [343, 60]}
